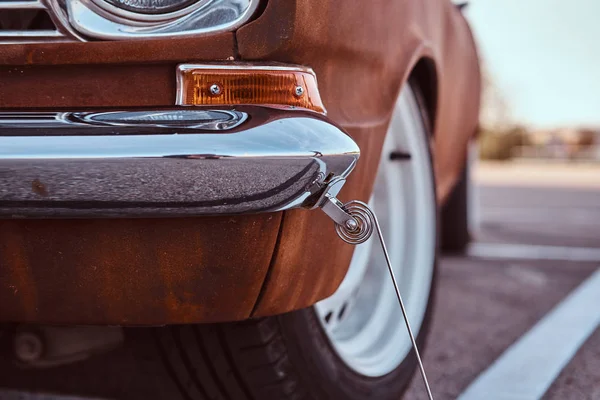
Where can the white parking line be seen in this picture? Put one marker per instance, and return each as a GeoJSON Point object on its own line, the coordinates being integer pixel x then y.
{"type": "Point", "coordinates": [529, 366]}
{"type": "Point", "coordinates": [503, 251]}
{"type": "Point", "coordinates": [574, 217]}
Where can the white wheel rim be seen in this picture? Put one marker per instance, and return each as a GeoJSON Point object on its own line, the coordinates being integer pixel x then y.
{"type": "Point", "coordinates": [362, 318]}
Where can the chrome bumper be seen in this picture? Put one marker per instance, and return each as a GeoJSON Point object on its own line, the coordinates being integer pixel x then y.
{"type": "Point", "coordinates": [187, 161]}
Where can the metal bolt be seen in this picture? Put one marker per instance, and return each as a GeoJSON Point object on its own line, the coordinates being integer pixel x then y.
{"type": "Point", "coordinates": [351, 225]}
{"type": "Point", "coordinates": [299, 91]}
{"type": "Point", "coordinates": [28, 346]}
{"type": "Point", "coordinates": [215, 89]}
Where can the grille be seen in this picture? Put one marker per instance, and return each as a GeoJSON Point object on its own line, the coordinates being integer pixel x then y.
{"type": "Point", "coordinates": [29, 21]}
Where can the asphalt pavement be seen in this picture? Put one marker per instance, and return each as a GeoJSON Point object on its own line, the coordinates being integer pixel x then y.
{"type": "Point", "coordinates": [537, 242]}
{"type": "Point", "coordinates": [517, 317]}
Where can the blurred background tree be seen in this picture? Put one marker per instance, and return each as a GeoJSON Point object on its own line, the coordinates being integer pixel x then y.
{"type": "Point", "coordinates": [499, 136]}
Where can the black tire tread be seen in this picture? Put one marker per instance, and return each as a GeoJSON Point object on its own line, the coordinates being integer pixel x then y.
{"type": "Point", "coordinates": [455, 235]}
{"type": "Point", "coordinates": [248, 361]}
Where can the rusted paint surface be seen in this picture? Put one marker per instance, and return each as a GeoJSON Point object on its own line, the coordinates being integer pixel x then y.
{"type": "Point", "coordinates": [71, 86]}
{"type": "Point", "coordinates": [101, 74]}
{"type": "Point", "coordinates": [212, 269]}
{"type": "Point", "coordinates": [39, 188]}
{"type": "Point", "coordinates": [213, 47]}
{"type": "Point", "coordinates": [311, 260]}
{"type": "Point", "coordinates": [362, 60]}
{"type": "Point", "coordinates": [133, 272]}
{"type": "Point", "coordinates": [16, 277]}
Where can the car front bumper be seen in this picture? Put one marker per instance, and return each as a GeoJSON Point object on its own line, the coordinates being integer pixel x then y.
{"type": "Point", "coordinates": [185, 161]}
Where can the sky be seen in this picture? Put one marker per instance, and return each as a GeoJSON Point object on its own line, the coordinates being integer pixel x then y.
{"type": "Point", "coordinates": [543, 56]}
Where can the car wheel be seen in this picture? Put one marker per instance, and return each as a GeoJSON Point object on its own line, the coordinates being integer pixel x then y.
{"type": "Point", "coordinates": [458, 216]}
{"type": "Point", "coordinates": [454, 230]}
{"type": "Point", "coordinates": [352, 345]}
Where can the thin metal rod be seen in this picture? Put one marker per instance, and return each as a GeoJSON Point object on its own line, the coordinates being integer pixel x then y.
{"type": "Point", "coordinates": [410, 333]}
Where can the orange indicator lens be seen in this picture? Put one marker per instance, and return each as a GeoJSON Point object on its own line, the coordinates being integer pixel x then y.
{"type": "Point", "coordinates": [232, 85]}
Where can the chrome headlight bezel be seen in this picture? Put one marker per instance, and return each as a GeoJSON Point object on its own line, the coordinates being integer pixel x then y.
{"type": "Point", "coordinates": [99, 19]}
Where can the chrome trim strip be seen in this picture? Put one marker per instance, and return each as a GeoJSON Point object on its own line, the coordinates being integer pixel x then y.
{"type": "Point", "coordinates": [247, 66]}
{"type": "Point", "coordinates": [22, 5]}
{"type": "Point", "coordinates": [61, 20]}
{"type": "Point", "coordinates": [60, 34]}
{"type": "Point", "coordinates": [131, 122]}
{"type": "Point", "coordinates": [41, 34]}
{"type": "Point", "coordinates": [63, 165]}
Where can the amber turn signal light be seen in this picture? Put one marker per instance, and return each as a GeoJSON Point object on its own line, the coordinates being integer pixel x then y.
{"type": "Point", "coordinates": [276, 86]}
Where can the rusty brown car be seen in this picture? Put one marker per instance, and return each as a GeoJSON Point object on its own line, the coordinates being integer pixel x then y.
{"type": "Point", "coordinates": [169, 180]}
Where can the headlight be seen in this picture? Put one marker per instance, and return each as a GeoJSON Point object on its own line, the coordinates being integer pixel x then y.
{"type": "Point", "coordinates": [144, 19]}
{"type": "Point", "coordinates": [151, 6]}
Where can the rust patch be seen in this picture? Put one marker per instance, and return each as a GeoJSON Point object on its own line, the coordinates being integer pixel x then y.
{"type": "Point", "coordinates": [18, 287]}
{"type": "Point", "coordinates": [39, 188]}
{"type": "Point", "coordinates": [134, 271]}
{"type": "Point", "coordinates": [29, 57]}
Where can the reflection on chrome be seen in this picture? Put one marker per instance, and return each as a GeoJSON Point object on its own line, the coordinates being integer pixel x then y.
{"type": "Point", "coordinates": [99, 19]}
{"type": "Point", "coordinates": [119, 163]}
{"type": "Point", "coordinates": [153, 7]}
{"type": "Point", "coordinates": [182, 119]}
{"type": "Point", "coordinates": [102, 20]}
{"type": "Point", "coordinates": [187, 119]}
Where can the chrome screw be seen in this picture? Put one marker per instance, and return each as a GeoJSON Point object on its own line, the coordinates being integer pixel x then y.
{"type": "Point", "coordinates": [299, 91]}
{"type": "Point", "coordinates": [352, 225]}
{"type": "Point", "coordinates": [215, 89]}
{"type": "Point", "coordinates": [28, 346]}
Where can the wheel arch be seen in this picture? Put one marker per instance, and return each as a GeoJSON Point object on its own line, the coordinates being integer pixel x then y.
{"type": "Point", "coordinates": [425, 75]}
